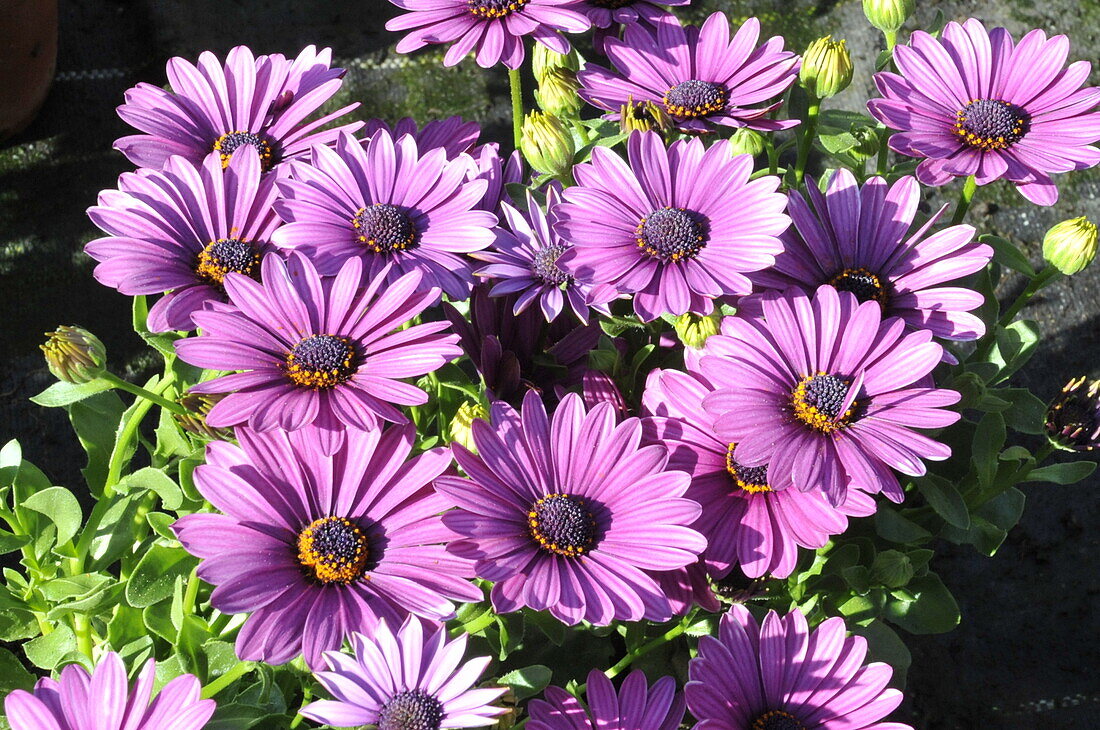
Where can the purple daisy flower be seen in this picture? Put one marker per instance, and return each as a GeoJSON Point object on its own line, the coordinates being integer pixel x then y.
{"type": "Point", "coordinates": [856, 239]}
{"type": "Point", "coordinates": [676, 227]}
{"type": "Point", "coordinates": [407, 681]}
{"type": "Point", "coordinates": [567, 513]}
{"type": "Point", "coordinates": [103, 700]}
{"type": "Point", "coordinates": [452, 134]}
{"type": "Point", "coordinates": [687, 588]}
{"type": "Point", "coordinates": [605, 13]}
{"type": "Point", "coordinates": [525, 263]}
{"type": "Point", "coordinates": [260, 102]}
{"type": "Point", "coordinates": [492, 28]}
{"type": "Point", "coordinates": [745, 521]}
{"type": "Point", "coordinates": [180, 230]}
{"type": "Point", "coordinates": [827, 394]}
{"type": "Point", "coordinates": [635, 707]}
{"type": "Point", "coordinates": [780, 674]}
{"type": "Point", "coordinates": [701, 76]}
{"type": "Point", "coordinates": [389, 204]}
{"type": "Point", "coordinates": [313, 351]}
{"type": "Point", "coordinates": [315, 547]}
{"type": "Point", "coordinates": [974, 102]}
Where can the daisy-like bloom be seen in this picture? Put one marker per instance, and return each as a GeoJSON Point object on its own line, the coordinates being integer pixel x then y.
{"type": "Point", "coordinates": [407, 681]}
{"type": "Point", "coordinates": [700, 76]}
{"type": "Point", "coordinates": [857, 240]}
{"type": "Point", "coordinates": [974, 102]}
{"type": "Point", "coordinates": [452, 134]}
{"type": "Point", "coordinates": [745, 521]}
{"type": "Point", "coordinates": [316, 351]}
{"type": "Point", "coordinates": [676, 227]}
{"type": "Point", "coordinates": [393, 206]}
{"type": "Point", "coordinates": [180, 230]}
{"type": "Point", "coordinates": [315, 547]}
{"type": "Point", "coordinates": [526, 263]}
{"type": "Point", "coordinates": [687, 588]}
{"type": "Point", "coordinates": [780, 675]}
{"type": "Point", "coordinates": [605, 13]}
{"type": "Point", "coordinates": [252, 101]}
{"type": "Point", "coordinates": [103, 700]}
{"type": "Point", "coordinates": [635, 707]}
{"type": "Point", "coordinates": [494, 29]}
{"type": "Point", "coordinates": [567, 513]}
{"type": "Point", "coordinates": [827, 394]}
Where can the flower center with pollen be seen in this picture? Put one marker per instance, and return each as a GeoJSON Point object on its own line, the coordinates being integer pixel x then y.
{"type": "Point", "coordinates": [334, 549]}
{"type": "Point", "coordinates": [384, 228]}
{"type": "Point", "coordinates": [777, 720]}
{"type": "Point", "coordinates": [990, 124]}
{"type": "Point", "coordinates": [861, 282]}
{"type": "Point", "coordinates": [817, 401]}
{"type": "Point", "coordinates": [545, 265]}
{"type": "Point", "coordinates": [562, 524]}
{"type": "Point", "coordinates": [752, 479]}
{"type": "Point", "coordinates": [492, 9]}
{"type": "Point", "coordinates": [411, 710]}
{"type": "Point", "coordinates": [230, 142]}
{"type": "Point", "coordinates": [227, 256]}
{"type": "Point", "coordinates": [321, 361]}
{"type": "Point", "coordinates": [671, 234]}
{"type": "Point", "coordinates": [695, 98]}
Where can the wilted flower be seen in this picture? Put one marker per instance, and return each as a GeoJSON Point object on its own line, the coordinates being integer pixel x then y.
{"type": "Point", "coordinates": [888, 15]}
{"type": "Point", "coordinates": [826, 68]}
{"type": "Point", "coordinates": [1073, 418]}
{"type": "Point", "coordinates": [547, 144]}
{"type": "Point", "coordinates": [1070, 246]}
{"type": "Point", "coordinates": [557, 93]}
{"type": "Point", "coordinates": [74, 355]}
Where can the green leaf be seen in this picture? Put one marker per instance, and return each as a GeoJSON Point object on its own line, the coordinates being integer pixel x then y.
{"type": "Point", "coordinates": [156, 573]}
{"type": "Point", "coordinates": [155, 481]}
{"type": "Point", "coordinates": [528, 681]}
{"type": "Point", "coordinates": [95, 421]}
{"type": "Point", "coordinates": [162, 343]}
{"type": "Point", "coordinates": [884, 645]}
{"type": "Point", "coordinates": [13, 675]}
{"type": "Point", "coordinates": [11, 456]}
{"type": "Point", "coordinates": [927, 607]}
{"type": "Point", "coordinates": [989, 437]}
{"type": "Point", "coordinates": [61, 508]}
{"type": "Point", "coordinates": [62, 393]}
{"type": "Point", "coordinates": [161, 524]}
{"type": "Point", "coordinates": [170, 438]}
{"type": "Point", "coordinates": [945, 499]}
{"type": "Point", "coordinates": [1015, 344]}
{"type": "Point", "coordinates": [1007, 254]}
{"type": "Point", "coordinates": [46, 651]}
{"type": "Point", "coordinates": [892, 526]}
{"type": "Point", "coordinates": [10, 542]}
{"type": "Point", "coordinates": [836, 143]}
{"type": "Point", "coordinates": [1069, 472]}
{"type": "Point", "coordinates": [1027, 414]}
{"type": "Point", "coordinates": [547, 624]}
{"type": "Point", "coordinates": [892, 568]}
{"type": "Point", "coordinates": [115, 533]}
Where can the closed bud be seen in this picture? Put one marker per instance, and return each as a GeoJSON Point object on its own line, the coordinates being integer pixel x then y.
{"type": "Point", "coordinates": [826, 68]}
{"type": "Point", "coordinates": [543, 61]}
{"type": "Point", "coordinates": [1071, 245]}
{"type": "Point", "coordinates": [198, 405]}
{"type": "Point", "coordinates": [888, 15]}
{"type": "Point", "coordinates": [868, 143]}
{"type": "Point", "coordinates": [643, 117]}
{"type": "Point", "coordinates": [747, 141]}
{"type": "Point", "coordinates": [548, 144]}
{"type": "Point", "coordinates": [74, 355]}
{"type": "Point", "coordinates": [461, 429]}
{"type": "Point", "coordinates": [1073, 418]}
{"type": "Point", "coordinates": [694, 329]}
{"type": "Point", "coordinates": [557, 94]}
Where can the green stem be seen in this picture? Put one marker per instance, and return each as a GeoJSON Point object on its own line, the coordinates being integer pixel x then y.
{"type": "Point", "coordinates": [516, 84]}
{"type": "Point", "coordinates": [82, 627]}
{"type": "Point", "coordinates": [891, 39]}
{"type": "Point", "coordinates": [238, 671]}
{"type": "Point", "coordinates": [307, 695]}
{"type": "Point", "coordinates": [773, 156]}
{"type": "Point", "coordinates": [965, 198]}
{"type": "Point", "coordinates": [807, 140]}
{"type": "Point", "coordinates": [146, 394]}
{"type": "Point", "coordinates": [1040, 280]}
{"type": "Point", "coordinates": [883, 151]}
{"type": "Point", "coordinates": [649, 646]}
{"type": "Point", "coordinates": [192, 592]}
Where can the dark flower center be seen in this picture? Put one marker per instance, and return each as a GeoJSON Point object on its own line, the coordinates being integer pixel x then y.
{"type": "Point", "coordinates": [230, 142]}
{"type": "Point", "coordinates": [861, 282]}
{"type": "Point", "coordinates": [491, 9]}
{"type": "Point", "coordinates": [777, 720]}
{"type": "Point", "coordinates": [990, 124]}
{"type": "Point", "coordinates": [695, 98]}
{"type": "Point", "coordinates": [612, 4]}
{"type": "Point", "coordinates": [333, 549]}
{"type": "Point", "coordinates": [752, 479]}
{"type": "Point", "coordinates": [1071, 419]}
{"type": "Point", "coordinates": [384, 228]}
{"type": "Point", "coordinates": [545, 265]}
{"type": "Point", "coordinates": [224, 256]}
{"type": "Point", "coordinates": [671, 234]}
{"type": "Point", "coordinates": [562, 524]}
{"type": "Point", "coordinates": [817, 400]}
{"type": "Point", "coordinates": [412, 709]}
{"type": "Point", "coordinates": [321, 361]}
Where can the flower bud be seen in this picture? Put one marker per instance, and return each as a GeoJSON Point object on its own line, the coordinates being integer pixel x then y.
{"type": "Point", "coordinates": [826, 68]}
{"type": "Point", "coordinates": [888, 15]}
{"type": "Point", "coordinates": [747, 141]}
{"type": "Point", "coordinates": [198, 405]}
{"type": "Point", "coordinates": [74, 355]}
{"type": "Point", "coordinates": [547, 144]}
{"type": "Point", "coordinates": [461, 428]}
{"type": "Point", "coordinates": [693, 329]}
{"type": "Point", "coordinates": [557, 93]}
{"type": "Point", "coordinates": [543, 61]}
{"type": "Point", "coordinates": [643, 117]}
{"type": "Point", "coordinates": [1073, 418]}
{"type": "Point", "coordinates": [868, 145]}
{"type": "Point", "coordinates": [1071, 245]}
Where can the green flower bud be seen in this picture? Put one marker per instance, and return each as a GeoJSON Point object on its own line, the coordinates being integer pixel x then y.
{"type": "Point", "coordinates": [75, 355]}
{"type": "Point", "coordinates": [198, 405]}
{"type": "Point", "coordinates": [643, 117]}
{"type": "Point", "coordinates": [557, 93]}
{"type": "Point", "coordinates": [1071, 245]}
{"type": "Point", "coordinates": [543, 61]}
{"type": "Point", "coordinates": [461, 429]}
{"type": "Point", "coordinates": [548, 144]}
{"type": "Point", "coordinates": [826, 68]}
{"type": "Point", "coordinates": [693, 329]}
{"type": "Point", "coordinates": [868, 145]}
{"type": "Point", "coordinates": [747, 141]}
{"type": "Point", "coordinates": [888, 15]}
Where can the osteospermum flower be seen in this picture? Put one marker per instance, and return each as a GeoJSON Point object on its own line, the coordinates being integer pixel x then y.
{"type": "Point", "coordinates": [974, 102]}
{"type": "Point", "coordinates": [827, 394]}
{"type": "Point", "coordinates": [315, 351]}
{"type": "Point", "coordinates": [453, 134]}
{"type": "Point", "coordinates": [780, 675]}
{"type": "Point", "coordinates": [494, 29]}
{"type": "Point", "coordinates": [700, 76]}
{"type": "Point", "coordinates": [407, 681]}
{"type": "Point", "coordinates": [605, 13]}
{"type": "Point", "coordinates": [102, 700]}
{"type": "Point", "coordinates": [179, 231]}
{"type": "Point", "coordinates": [252, 101]}
{"type": "Point", "coordinates": [634, 707]}
{"type": "Point", "coordinates": [676, 227]}
{"type": "Point", "coordinates": [565, 514]}
{"type": "Point", "coordinates": [745, 521]}
{"type": "Point", "coordinates": [389, 204]}
{"type": "Point", "coordinates": [315, 547]}
{"type": "Point", "coordinates": [857, 240]}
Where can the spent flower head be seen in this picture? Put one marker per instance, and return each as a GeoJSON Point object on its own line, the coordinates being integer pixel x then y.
{"type": "Point", "coordinates": [1073, 418]}
{"type": "Point", "coordinates": [74, 355]}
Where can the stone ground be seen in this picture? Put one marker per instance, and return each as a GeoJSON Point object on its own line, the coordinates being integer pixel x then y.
{"type": "Point", "coordinates": [1027, 652]}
